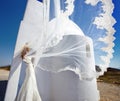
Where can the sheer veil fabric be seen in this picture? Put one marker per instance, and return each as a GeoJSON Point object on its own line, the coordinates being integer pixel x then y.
{"type": "Point", "coordinates": [63, 58]}
{"type": "Point", "coordinates": [64, 66]}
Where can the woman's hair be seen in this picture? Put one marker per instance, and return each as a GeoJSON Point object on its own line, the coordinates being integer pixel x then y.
{"type": "Point", "coordinates": [25, 50]}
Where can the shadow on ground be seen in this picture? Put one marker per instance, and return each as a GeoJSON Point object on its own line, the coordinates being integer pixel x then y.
{"type": "Point", "coordinates": [3, 85]}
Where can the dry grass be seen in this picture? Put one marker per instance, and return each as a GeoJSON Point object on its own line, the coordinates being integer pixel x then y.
{"type": "Point", "coordinates": [112, 76]}
{"type": "Point", "coordinates": [5, 68]}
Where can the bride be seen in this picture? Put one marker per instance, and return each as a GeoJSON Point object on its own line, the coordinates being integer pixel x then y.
{"type": "Point", "coordinates": [28, 90]}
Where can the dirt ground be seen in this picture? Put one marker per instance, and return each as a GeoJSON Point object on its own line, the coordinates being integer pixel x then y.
{"type": "Point", "coordinates": [109, 92]}
{"type": "Point", "coordinates": [4, 74]}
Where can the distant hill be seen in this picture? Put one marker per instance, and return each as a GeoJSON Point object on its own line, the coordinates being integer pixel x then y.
{"type": "Point", "coordinates": [111, 76]}
{"type": "Point", "coordinates": [113, 69]}
{"type": "Point", "coordinates": [5, 67]}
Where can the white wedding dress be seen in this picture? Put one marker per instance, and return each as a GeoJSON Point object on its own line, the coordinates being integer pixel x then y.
{"type": "Point", "coordinates": [29, 90]}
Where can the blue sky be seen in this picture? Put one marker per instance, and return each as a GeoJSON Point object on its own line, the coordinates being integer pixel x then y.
{"type": "Point", "coordinates": [115, 62]}
{"type": "Point", "coordinates": [11, 14]}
